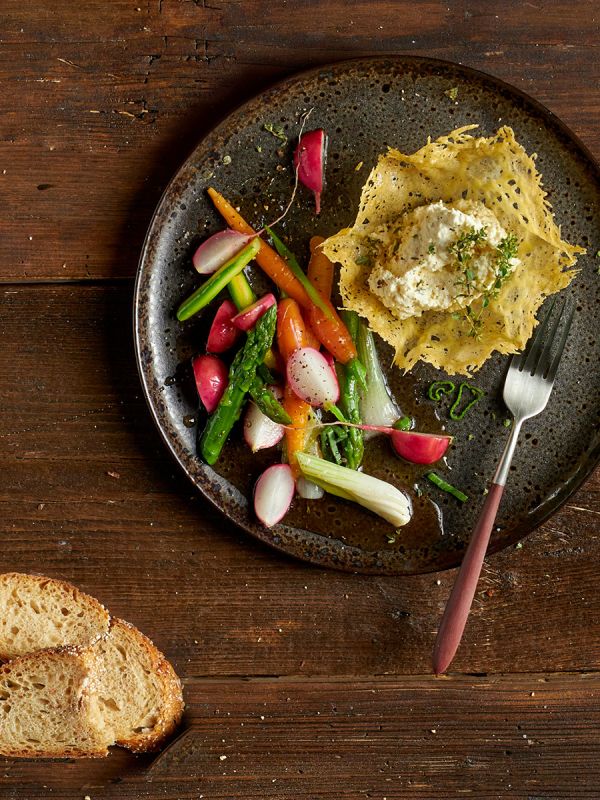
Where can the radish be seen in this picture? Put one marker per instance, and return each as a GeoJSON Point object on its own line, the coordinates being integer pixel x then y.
{"type": "Point", "coordinates": [311, 378]}
{"type": "Point", "coordinates": [223, 333]}
{"type": "Point", "coordinates": [218, 249]}
{"type": "Point", "coordinates": [273, 494]}
{"type": "Point", "coordinates": [309, 161]}
{"type": "Point", "coordinates": [420, 448]}
{"type": "Point", "coordinates": [212, 377]}
{"type": "Point", "coordinates": [261, 432]}
{"type": "Point", "coordinates": [248, 318]}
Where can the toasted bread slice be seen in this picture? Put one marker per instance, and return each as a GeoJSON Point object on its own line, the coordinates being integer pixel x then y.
{"type": "Point", "coordinates": [139, 694]}
{"type": "Point", "coordinates": [47, 706]}
{"type": "Point", "coordinates": [38, 613]}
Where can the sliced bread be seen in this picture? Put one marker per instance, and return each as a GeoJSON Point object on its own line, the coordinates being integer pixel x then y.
{"type": "Point", "coordinates": [139, 694]}
{"type": "Point", "coordinates": [38, 613]}
{"type": "Point", "coordinates": [48, 707]}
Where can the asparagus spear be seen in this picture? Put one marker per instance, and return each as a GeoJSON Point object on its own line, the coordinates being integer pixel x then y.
{"type": "Point", "coordinates": [346, 445]}
{"type": "Point", "coordinates": [267, 402]}
{"type": "Point", "coordinates": [242, 375]}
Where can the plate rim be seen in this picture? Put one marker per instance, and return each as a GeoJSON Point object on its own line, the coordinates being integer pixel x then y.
{"type": "Point", "coordinates": [266, 535]}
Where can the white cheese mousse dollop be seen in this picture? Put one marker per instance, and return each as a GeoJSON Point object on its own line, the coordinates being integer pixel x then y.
{"type": "Point", "coordinates": [416, 268]}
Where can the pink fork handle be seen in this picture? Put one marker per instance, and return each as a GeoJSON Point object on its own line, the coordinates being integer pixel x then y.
{"type": "Point", "coordinates": [459, 604]}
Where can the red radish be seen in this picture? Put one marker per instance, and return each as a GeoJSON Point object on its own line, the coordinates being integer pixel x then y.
{"type": "Point", "coordinates": [248, 318]}
{"type": "Point", "coordinates": [212, 377]}
{"type": "Point", "coordinates": [330, 359]}
{"type": "Point", "coordinates": [420, 448]}
{"type": "Point", "coordinates": [218, 249]}
{"type": "Point", "coordinates": [309, 160]}
{"type": "Point", "coordinates": [260, 431]}
{"type": "Point", "coordinates": [223, 333]}
{"type": "Point", "coordinates": [273, 494]}
{"type": "Point", "coordinates": [311, 378]}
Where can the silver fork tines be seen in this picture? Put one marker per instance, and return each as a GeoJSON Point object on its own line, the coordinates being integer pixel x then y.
{"type": "Point", "coordinates": [531, 375]}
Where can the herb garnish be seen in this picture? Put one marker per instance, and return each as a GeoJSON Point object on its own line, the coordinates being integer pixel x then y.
{"type": "Point", "coordinates": [476, 395]}
{"type": "Point", "coordinates": [276, 130]}
{"type": "Point", "coordinates": [446, 487]}
{"type": "Point", "coordinates": [464, 250]}
{"type": "Point", "coordinates": [431, 248]}
{"type": "Point", "coordinates": [438, 389]}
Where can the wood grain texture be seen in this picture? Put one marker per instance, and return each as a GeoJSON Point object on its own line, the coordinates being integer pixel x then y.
{"type": "Point", "coordinates": [517, 736]}
{"type": "Point", "coordinates": [100, 107]}
{"type": "Point", "coordinates": [89, 493]}
{"type": "Point", "coordinates": [99, 104]}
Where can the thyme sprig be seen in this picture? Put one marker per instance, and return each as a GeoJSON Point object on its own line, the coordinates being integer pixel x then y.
{"type": "Point", "coordinates": [464, 250]}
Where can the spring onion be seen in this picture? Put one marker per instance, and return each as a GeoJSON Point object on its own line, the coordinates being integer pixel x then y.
{"type": "Point", "coordinates": [378, 496]}
{"type": "Point", "coordinates": [476, 395]}
{"type": "Point", "coordinates": [446, 487]}
{"type": "Point", "coordinates": [377, 406]}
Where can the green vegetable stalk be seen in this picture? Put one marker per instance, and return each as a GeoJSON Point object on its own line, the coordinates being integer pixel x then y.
{"type": "Point", "coordinates": [219, 280]}
{"type": "Point", "coordinates": [345, 446]}
{"type": "Point", "coordinates": [242, 376]}
{"type": "Point", "coordinates": [293, 264]}
{"type": "Point", "coordinates": [267, 402]}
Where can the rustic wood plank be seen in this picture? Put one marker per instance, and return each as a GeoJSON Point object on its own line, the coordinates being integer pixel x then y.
{"type": "Point", "coordinates": [89, 493]}
{"type": "Point", "coordinates": [98, 109]}
{"type": "Point", "coordinates": [517, 736]}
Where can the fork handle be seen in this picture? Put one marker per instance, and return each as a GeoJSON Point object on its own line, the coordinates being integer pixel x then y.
{"type": "Point", "coordinates": [459, 604]}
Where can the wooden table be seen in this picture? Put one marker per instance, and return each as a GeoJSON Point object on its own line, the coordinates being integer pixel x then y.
{"type": "Point", "coordinates": [299, 682]}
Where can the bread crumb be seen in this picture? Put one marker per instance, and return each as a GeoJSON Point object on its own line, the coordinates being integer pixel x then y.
{"type": "Point", "coordinates": [222, 758]}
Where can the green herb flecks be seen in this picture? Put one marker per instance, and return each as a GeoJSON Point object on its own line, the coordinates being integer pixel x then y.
{"type": "Point", "coordinates": [276, 130]}
{"type": "Point", "coordinates": [431, 248]}
{"type": "Point", "coordinates": [446, 487]}
{"type": "Point", "coordinates": [464, 250]}
{"type": "Point", "coordinates": [452, 93]}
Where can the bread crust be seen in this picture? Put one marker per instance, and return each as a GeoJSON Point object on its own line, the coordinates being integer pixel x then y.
{"type": "Point", "coordinates": [171, 706]}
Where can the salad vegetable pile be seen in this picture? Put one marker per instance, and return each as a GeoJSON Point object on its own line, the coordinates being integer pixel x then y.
{"type": "Point", "coordinates": [300, 372]}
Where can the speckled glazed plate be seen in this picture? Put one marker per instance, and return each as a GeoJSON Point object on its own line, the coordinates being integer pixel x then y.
{"type": "Point", "coordinates": [366, 105]}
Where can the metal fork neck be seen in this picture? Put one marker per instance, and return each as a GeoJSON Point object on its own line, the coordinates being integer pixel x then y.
{"type": "Point", "coordinates": [507, 456]}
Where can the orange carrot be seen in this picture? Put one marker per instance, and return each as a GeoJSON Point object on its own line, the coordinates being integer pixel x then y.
{"type": "Point", "coordinates": [295, 437]}
{"type": "Point", "coordinates": [320, 268]}
{"type": "Point", "coordinates": [269, 260]}
{"type": "Point", "coordinates": [292, 331]}
{"type": "Point", "coordinates": [327, 327]}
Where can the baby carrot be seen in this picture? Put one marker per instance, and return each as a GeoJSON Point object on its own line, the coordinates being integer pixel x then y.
{"type": "Point", "coordinates": [270, 261]}
{"type": "Point", "coordinates": [326, 324]}
{"type": "Point", "coordinates": [295, 436]}
{"type": "Point", "coordinates": [320, 268]}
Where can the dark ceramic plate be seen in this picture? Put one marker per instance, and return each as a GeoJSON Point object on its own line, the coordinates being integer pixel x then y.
{"type": "Point", "coordinates": [366, 105]}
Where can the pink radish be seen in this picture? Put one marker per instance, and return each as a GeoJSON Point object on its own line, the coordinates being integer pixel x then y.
{"type": "Point", "coordinates": [420, 448]}
{"type": "Point", "coordinates": [273, 494]}
{"type": "Point", "coordinates": [248, 318]}
{"type": "Point", "coordinates": [218, 249]}
{"type": "Point", "coordinates": [223, 333]}
{"type": "Point", "coordinates": [309, 160]}
{"type": "Point", "coordinates": [261, 432]}
{"type": "Point", "coordinates": [311, 378]}
{"type": "Point", "coordinates": [212, 377]}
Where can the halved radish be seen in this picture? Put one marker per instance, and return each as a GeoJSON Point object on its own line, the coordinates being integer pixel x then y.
{"type": "Point", "coordinates": [261, 432]}
{"type": "Point", "coordinates": [309, 160]}
{"type": "Point", "coordinates": [273, 494]}
{"type": "Point", "coordinates": [212, 377]}
{"type": "Point", "coordinates": [248, 318]}
{"type": "Point", "coordinates": [311, 378]}
{"type": "Point", "coordinates": [420, 448]}
{"type": "Point", "coordinates": [217, 250]}
{"type": "Point", "coordinates": [223, 334]}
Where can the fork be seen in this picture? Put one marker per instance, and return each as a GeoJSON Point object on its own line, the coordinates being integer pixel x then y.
{"type": "Point", "coordinates": [527, 388]}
